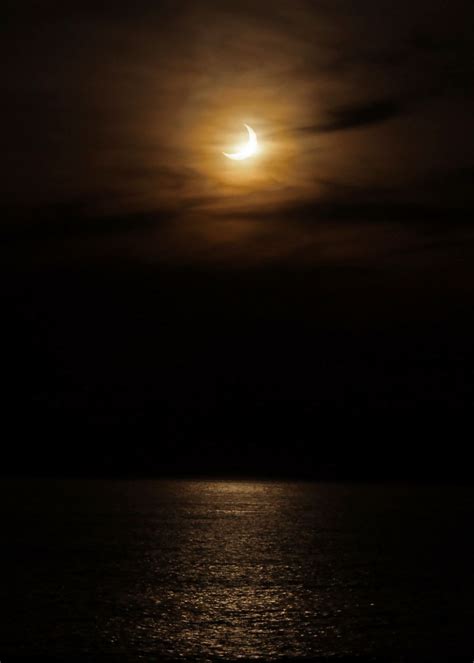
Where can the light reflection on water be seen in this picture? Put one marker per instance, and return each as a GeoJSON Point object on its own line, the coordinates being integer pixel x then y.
{"type": "Point", "coordinates": [227, 593]}
{"type": "Point", "coordinates": [230, 569]}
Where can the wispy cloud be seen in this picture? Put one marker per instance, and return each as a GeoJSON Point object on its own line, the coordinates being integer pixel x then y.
{"type": "Point", "coordinates": [359, 112]}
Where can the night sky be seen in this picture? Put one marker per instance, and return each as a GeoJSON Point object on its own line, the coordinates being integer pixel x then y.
{"type": "Point", "coordinates": [306, 312]}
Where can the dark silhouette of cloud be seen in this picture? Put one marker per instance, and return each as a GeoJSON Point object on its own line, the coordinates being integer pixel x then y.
{"type": "Point", "coordinates": [365, 115]}
{"type": "Point", "coordinates": [359, 115]}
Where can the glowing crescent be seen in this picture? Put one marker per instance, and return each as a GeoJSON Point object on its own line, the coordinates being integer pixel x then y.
{"type": "Point", "coordinates": [247, 150]}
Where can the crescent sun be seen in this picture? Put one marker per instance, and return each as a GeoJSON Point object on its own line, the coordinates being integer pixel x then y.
{"type": "Point", "coordinates": [246, 151]}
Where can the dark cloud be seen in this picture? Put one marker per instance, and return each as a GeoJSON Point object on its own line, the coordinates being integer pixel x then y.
{"type": "Point", "coordinates": [74, 220]}
{"type": "Point", "coordinates": [365, 115]}
{"type": "Point", "coordinates": [353, 117]}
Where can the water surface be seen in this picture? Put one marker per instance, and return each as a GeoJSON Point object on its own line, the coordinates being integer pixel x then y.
{"type": "Point", "coordinates": [235, 569]}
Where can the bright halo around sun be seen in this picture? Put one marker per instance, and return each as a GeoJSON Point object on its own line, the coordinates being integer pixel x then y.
{"type": "Point", "coordinates": [247, 150]}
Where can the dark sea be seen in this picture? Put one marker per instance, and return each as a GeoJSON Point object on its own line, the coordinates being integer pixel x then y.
{"type": "Point", "coordinates": [226, 570]}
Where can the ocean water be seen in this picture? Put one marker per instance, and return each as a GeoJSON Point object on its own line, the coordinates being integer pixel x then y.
{"type": "Point", "coordinates": [209, 570]}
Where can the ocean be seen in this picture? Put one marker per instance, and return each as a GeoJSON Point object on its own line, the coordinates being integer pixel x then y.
{"type": "Point", "coordinates": [235, 569]}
